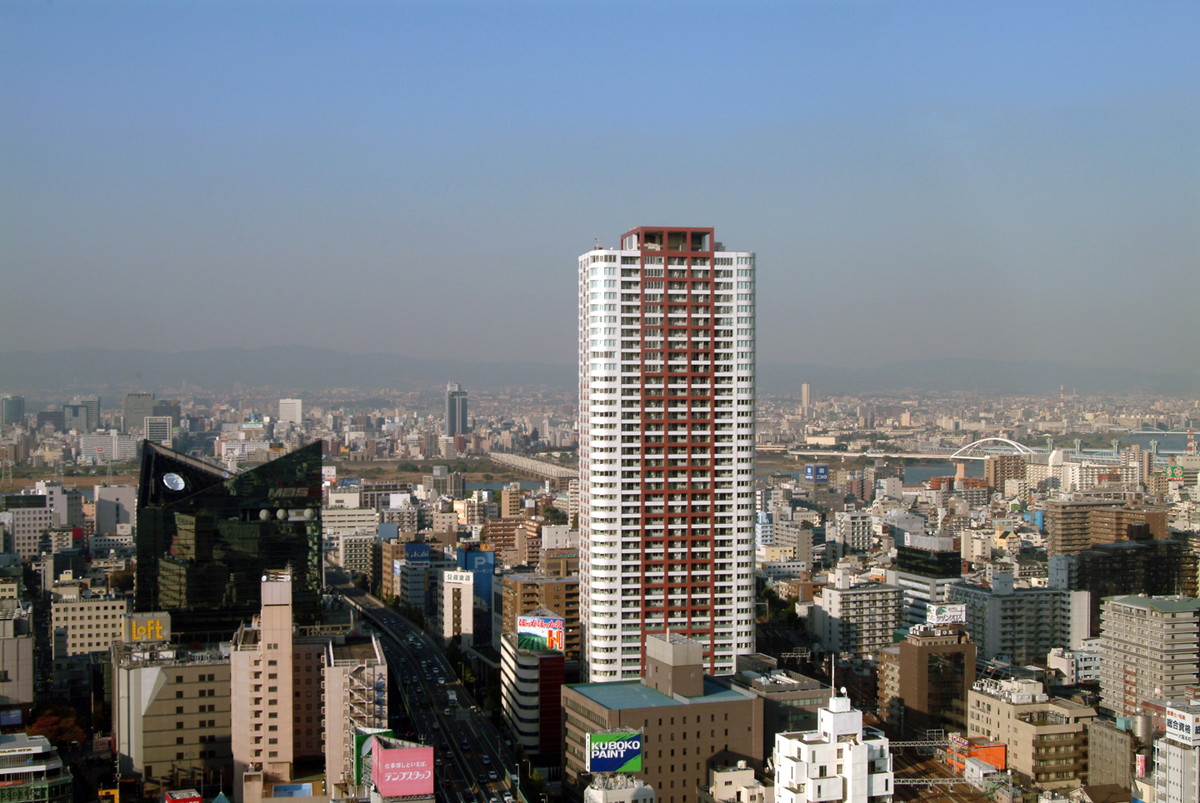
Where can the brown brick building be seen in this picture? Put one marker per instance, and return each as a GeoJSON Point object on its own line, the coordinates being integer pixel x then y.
{"type": "Point", "coordinates": [690, 721]}
{"type": "Point", "coordinates": [924, 680]}
{"type": "Point", "coordinates": [1075, 525]}
{"type": "Point", "coordinates": [523, 592]}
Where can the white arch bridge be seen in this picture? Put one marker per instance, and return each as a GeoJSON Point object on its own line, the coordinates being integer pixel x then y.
{"type": "Point", "coordinates": [979, 450]}
{"type": "Point", "coordinates": [991, 447]}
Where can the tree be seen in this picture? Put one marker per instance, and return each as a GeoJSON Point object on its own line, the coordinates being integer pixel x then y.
{"type": "Point", "coordinates": [121, 580]}
{"type": "Point", "coordinates": [537, 785]}
{"type": "Point", "coordinates": [58, 724]}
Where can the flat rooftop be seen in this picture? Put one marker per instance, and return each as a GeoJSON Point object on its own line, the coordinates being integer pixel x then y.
{"type": "Point", "coordinates": [355, 648]}
{"type": "Point", "coordinates": [629, 694]}
{"type": "Point", "coordinates": [1161, 604]}
{"type": "Point", "coordinates": [24, 742]}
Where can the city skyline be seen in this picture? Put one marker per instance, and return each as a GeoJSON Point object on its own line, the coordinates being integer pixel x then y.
{"type": "Point", "coordinates": [1000, 183]}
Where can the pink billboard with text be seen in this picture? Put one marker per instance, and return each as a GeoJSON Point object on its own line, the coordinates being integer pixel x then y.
{"type": "Point", "coordinates": [402, 772]}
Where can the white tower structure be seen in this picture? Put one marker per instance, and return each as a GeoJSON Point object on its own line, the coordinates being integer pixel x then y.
{"type": "Point", "coordinates": [666, 448]}
{"type": "Point", "coordinates": [842, 760]}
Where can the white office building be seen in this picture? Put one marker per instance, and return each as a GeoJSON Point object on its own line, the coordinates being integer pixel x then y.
{"type": "Point", "coordinates": [840, 761]}
{"type": "Point", "coordinates": [456, 607]}
{"type": "Point", "coordinates": [1177, 756]}
{"type": "Point", "coordinates": [853, 531]}
{"type": "Point", "coordinates": [115, 505]}
{"type": "Point", "coordinates": [666, 448]}
{"type": "Point", "coordinates": [158, 428]}
{"type": "Point", "coordinates": [291, 411]}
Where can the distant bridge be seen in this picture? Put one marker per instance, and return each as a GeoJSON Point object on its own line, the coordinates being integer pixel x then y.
{"type": "Point", "coordinates": [991, 447]}
{"type": "Point", "coordinates": [979, 450]}
{"type": "Point", "coordinates": [558, 475]}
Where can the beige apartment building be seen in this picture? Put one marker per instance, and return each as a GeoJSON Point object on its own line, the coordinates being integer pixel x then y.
{"type": "Point", "coordinates": [83, 622]}
{"type": "Point", "coordinates": [1047, 737]}
{"type": "Point", "coordinates": [298, 694]}
{"type": "Point", "coordinates": [356, 678]}
{"type": "Point", "coordinates": [171, 712]}
{"type": "Point", "coordinates": [456, 607]}
{"type": "Point", "coordinates": [1150, 647]}
{"type": "Point", "coordinates": [277, 701]}
{"type": "Point", "coordinates": [1075, 524]}
{"type": "Point", "coordinates": [856, 618]}
{"type": "Point", "coordinates": [16, 659]}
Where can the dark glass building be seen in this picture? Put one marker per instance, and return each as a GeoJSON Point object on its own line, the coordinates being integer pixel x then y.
{"type": "Point", "coordinates": [929, 562]}
{"type": "Point", "coordinates": [205, 537]}
{"type": "Point", "coordinates": [1142, 565]}
{"type": "Point", "coordinates": [456, 410]}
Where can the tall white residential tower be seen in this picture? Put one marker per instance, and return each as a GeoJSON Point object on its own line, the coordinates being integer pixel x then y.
{"type": "Point", "coordinates": [666, 448]}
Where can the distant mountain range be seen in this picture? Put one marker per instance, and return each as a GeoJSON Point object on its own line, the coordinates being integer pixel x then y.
{"type": "Point", "coordinates": [302, 368]}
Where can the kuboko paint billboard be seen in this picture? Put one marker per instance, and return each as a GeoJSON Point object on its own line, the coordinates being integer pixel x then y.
{"type": "Point", "coordinates": [614, 752]}
{"type": "Point", "coordinates": [541, 633]}
{"type": "Point", "coordinates": [401, 772]}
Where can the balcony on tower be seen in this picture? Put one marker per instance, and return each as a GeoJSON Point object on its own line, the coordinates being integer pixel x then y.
{"type": "Point", "coordinates": [667, 239]}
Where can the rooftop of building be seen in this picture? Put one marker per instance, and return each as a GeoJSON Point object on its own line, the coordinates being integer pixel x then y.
{"type": "Point", "coordinates": [24, 743]}
{"type": "Point", "coordinates": [672, 638]}
{"type": "Point", "coordinates": [538, 577]}
{"type": "Point", "coordinates": [779, 680]}
{"type": "Point", "coordinates": [166, 654]}
{"type": "Point", "coordinates": [355, 648]}
{"type": "Point", "coordinates": [542, 613]}
{"type": "Point", "coordinates": [1105, 793]}
{"type": "Point", "coordinates": [1186, 708]}
{"type": "Point", "coordinates": [1160, 604]}
{"type": "Point", "coordinates": [1065, 705]}
{"type": "Point", "coordinates": [865, 586]}
{"type": "Point", "coordinates": [630, 694]}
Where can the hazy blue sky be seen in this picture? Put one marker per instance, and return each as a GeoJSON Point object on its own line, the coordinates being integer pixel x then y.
{"type": "Point", "coordinates": [919, 179]}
